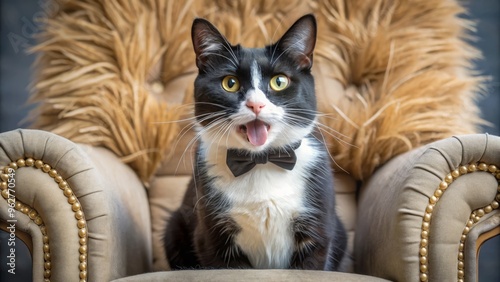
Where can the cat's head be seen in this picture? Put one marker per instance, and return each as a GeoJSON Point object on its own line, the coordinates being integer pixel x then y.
{"type": "Point", "coordinates": [255, 98]}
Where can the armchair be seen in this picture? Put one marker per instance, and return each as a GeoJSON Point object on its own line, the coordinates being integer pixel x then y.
{"type": "Point", "coordinates": [108, 162]}
{"type": "Point", "coordinates": [88, 217]}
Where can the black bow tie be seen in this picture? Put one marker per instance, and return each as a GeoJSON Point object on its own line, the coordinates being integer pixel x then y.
{"type": "Point", "coordinates": [241, 161]}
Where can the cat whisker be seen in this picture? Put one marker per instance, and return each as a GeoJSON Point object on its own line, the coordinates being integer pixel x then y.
{"type": "Point", "coordinates": [290, 107]}
{"type": "Point", "coordinates": [330, 131]}
{"type": "Point", "coordinates": [193, 141]}
{"type": "Point", "coordinates": [320, 115]}
{"type": "Point", "coordinates": [225, 57]}
{"type": "Point", "coordinates": [198, 200]}
{"type": "Point", "coordinates": [223, 129]}
{"type": "Point", "coordinates": [330, 155]}
{"type": "Point", "coordinates": [288, 48]}
{"type": "Point", "coordinates": [185, 130]}
{"type": "Point", "coordinates": [313, 112]}
{"type": "Point", "coordinates": [293, 120]}
{"type": "Point", "coordinates": [277, 43]}
{"type": "Point", "coordinates": [206, 129]}
{"type": "Point", "coordinates": [191, 106]}
{"type": "Point", "coordinates": [228, 47]}
{"type": "Point", "coordinates": [207, 103]}
{"type": "Point", "coordinates": [227, 131]}
{"type": "Point", "coordinates": [333, 133]}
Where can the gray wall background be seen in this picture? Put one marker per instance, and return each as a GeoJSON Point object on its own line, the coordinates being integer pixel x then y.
{"type": "Point", "coordinates": [18, 25]}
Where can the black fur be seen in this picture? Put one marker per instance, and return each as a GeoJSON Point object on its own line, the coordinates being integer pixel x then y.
{"type": "Point", "coordinates": [200, 234]}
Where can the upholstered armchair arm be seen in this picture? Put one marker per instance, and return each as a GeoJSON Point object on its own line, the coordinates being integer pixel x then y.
{"type": "Point", "coordinates": [421, 214]}
{"type": "Point", "coordinates": [86, 214]}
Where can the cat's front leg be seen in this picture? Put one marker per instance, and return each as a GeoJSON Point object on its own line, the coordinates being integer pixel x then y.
{"type": "Point", "coordinates": [227, 256]}
{"type": "Point", "coordinates": [216, 249]}
{"type": "Point", "coordinates": [318, 246]}
{"type": "Point", "coordinates": [311, 246]}
{"type": "Point", "coordinates": [311, 255]}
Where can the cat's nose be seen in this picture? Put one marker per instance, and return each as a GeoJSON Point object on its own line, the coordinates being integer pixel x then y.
{"type": "Point", "coordinates": [255, 106]}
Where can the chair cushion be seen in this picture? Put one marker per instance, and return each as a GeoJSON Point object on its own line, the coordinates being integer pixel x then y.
{"type": "Point", "coordinates": [274, 275]}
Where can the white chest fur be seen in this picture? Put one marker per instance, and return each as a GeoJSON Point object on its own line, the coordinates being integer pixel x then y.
{"type": "Point", "coordinates": [264, 203]}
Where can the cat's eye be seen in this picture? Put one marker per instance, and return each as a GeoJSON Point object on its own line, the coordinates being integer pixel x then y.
{"type": "Point", "coordinates": [230, 84]}
{"type": "Point", "coordinates": [279, 82]}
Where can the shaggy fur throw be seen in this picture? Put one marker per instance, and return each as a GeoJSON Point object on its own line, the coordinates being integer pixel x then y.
{"type": "Point", "coordinates": [391, 75]}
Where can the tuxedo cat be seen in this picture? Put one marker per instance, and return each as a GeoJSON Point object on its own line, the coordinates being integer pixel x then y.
{"type": "Point", "coordinates": [262, 191]}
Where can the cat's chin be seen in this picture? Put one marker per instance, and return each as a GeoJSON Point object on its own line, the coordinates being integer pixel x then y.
{"type": "Point", "coordinates": [253, 149]}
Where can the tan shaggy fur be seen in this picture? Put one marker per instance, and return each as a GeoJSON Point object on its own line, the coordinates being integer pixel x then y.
{"type": "Point", "coordinates": [391, 75]}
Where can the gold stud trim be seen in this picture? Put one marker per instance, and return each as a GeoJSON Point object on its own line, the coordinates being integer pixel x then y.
{"type": "Point", "coordinates": [473, 219]}
{"type": "Point", "coordinates": [81, 223]}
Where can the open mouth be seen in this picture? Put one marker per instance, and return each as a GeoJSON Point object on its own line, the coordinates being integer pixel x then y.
{"type": "Point", "coordinates": [255, 131]}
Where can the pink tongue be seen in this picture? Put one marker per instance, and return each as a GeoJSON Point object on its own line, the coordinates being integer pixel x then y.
{"type": "Point", "coordinates": [257, 132]}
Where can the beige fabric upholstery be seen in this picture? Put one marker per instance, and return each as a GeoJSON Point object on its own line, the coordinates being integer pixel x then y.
{"type": "Point", "coordinates": [392, 206]}
{"type": "Point", "coordinates": [249, 275]}
{"type": "Point", "coordinates": [127, 245]}
{"type": "Point", "coordinates": [122, 240]}
{"type": "Point", "coordinates": [165, 196]}
{"type": "Point", "coordinates": [125, 224]}
{"type": "Point", "coordinates": [25, 224]}
{"type": "Point", "coordinates": [491, 222]}
{"type": "Point", "coordinates": [112, 198]}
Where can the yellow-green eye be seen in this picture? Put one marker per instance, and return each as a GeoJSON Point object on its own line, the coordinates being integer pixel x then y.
{"type": "Point", "coordinates": [279, 82]}
{"type": "Point", "coordinates": [230, 84]}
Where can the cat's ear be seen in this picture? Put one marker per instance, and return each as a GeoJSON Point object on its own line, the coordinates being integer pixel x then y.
{"type": "Point", "coordinates": [206, 40]}
{"type": "Point", "coordinates": [299, 41]}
